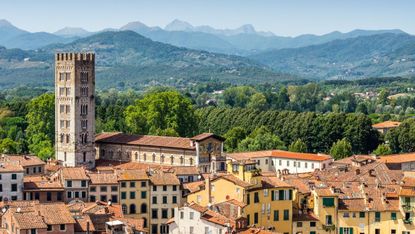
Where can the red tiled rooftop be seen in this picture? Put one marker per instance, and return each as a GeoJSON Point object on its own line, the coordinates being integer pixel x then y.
{"type": "Point", "coordinates": [386, 124]}
{"type": "Point", "coordinates": [279, 154]}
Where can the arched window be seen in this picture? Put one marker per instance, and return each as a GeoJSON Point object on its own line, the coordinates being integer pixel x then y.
{"type": "Point", "coordinates": [154, 157]}
{"type": "Point", "coordinates": [136, 156]}
{"type": "Point", "coordinates": [171, 159]}
{"type": "Point", "coordinates": [62, 138]}
{"type": "Point", "coordinates": [181, 160]}
{"type": "Point", "coordinates": [68, 138]}
{"type": "Point", "coordinates": [144, 157]}
{"type": "Point", "coordinates": [124, 208]}
{"type": "Point", "coordinates": [132, 209]}
{"type": "Point", "coordinates": [143, 208]}
{"type": "Point", "coordinates": [162, 158]}
{"type": "Point", "coordinates": [144, 222]}
{"type": "Point", "coordinates": [191, 161]}
{"type": "Point", "coordinates": [119, 154]}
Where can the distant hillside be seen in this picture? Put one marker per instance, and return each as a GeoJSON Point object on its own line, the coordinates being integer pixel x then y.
{"type": "Point", "coordinates": [366, 56]}
{"type": "Point", "coordinates": [127, 59]}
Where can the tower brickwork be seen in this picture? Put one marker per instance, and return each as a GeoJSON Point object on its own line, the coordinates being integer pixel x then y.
{"type": "Point", "coordinates": [75, 109]}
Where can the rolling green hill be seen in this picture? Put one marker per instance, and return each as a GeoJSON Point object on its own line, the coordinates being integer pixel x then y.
{"type": "Point", "coordinates": [127, 59]}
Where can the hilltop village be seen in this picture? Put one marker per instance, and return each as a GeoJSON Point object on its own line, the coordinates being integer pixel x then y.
{"type": "Point", "coordinates": [114, 182]}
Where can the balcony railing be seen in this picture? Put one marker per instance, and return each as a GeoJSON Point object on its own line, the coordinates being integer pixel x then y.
{"type": "Point", "coordinates": [329, 227]}
{"type": "Point", "coordinates": [407, 207]}
{"type": "Point", "coordinates": [407, 221]}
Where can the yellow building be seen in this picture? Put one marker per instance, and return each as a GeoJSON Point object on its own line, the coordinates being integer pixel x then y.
{"type": "Point", "coordinates": [325, 202]}
{"type": "Point", "coordinates": [134, 194]}
{"type": "Point", "coordinates": [218, 189]}
{"type": "Point", "coordinates": [243, 169]}
{"type": "Point", "coordinates": [269, 204]}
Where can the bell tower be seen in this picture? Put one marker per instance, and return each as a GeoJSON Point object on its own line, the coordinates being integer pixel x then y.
{"type": "Point", "coordinates": [75, 109]}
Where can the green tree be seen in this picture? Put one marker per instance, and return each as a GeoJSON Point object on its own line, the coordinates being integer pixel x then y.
{"type": "Point", "coordinates": [40, 131]}
{"type": "Point", "coordinates": [383, 149]}
{"type": "Point", "coordinates": [298, 146]}
{"type": "Point", "coordinates": [158, 112]}
{"type": "Point", "coordinates": [341, 149]}
{"type": "Point", "coordinates": [261, 139]}
{"type": "Point", "coordinates": [8, 146]}
{"type": "Point", "coordinates": [233, 138]}
{"type": "Point", "coordinates": [238, 96]}
{"type": "Point", "coordinates": [257, 101]}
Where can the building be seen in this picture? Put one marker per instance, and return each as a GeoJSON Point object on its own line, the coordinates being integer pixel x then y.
{"type": "Point", "coordinates": [11, 181]}
{"type": "Point", "coordinates": [204, 151]}
{"type": "Point", "coordinates": [32, 217]}
{"type": "Point", "coordinates": [75, 109]}
{"type": "Point", "coordinates": [43, 188]}
{"type": "Point", "coordinates": [280, 160]}
{"type": "Point", "coordinates": [31, 164]}
{"type": "Point", "coordinates": [404, 162]}
{"type": "Point", "coordinates": [103, 187]}
{"type": "Point", "coordinates": [75, 183]}
{"type": "Point", "coordinates": [134, 186]}
{"type": "Point", "coordinates": [193, 218]}
{"type": "Point", "coordinates": [384, 127]}
{"type": "Point", "coordinates": [166, 195]}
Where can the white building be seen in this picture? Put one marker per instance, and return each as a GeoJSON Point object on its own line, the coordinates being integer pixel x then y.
{"type": "Point", "coordinates": [194, 219]}
{"type": "Point", "coordinates": [285, 161]}
{"type": "Point", "coordinates": [11, 181]}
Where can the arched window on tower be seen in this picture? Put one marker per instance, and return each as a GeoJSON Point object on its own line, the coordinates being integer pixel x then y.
{"type": "Point", "coordinates": [171, 159]}
{"type": "Point", "coordinates": [154, 157]}
{"type": "Point", "coordinates": [143, 208]}
{"type": "Point", "coordinates": [181, 160]}
{"type": "Point", "coordinates": [132, 209]}
{"type": "Point", "coordinates": [162, 158]}
{"type": "Point", "coordinates": [191, 161]}
{"type": "Point", "coordinates": [136, 156]}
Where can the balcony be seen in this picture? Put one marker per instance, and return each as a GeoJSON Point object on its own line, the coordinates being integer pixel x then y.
{"type": "Point", "coordinates": [329, 227]}
{"type": "Point", "coordinates": [407, 221]}
{"type": "Point", "coordinates": [407, 207]}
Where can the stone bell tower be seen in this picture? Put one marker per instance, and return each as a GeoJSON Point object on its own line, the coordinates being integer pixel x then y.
{"type": "Point", "coordinates": [75, 109]}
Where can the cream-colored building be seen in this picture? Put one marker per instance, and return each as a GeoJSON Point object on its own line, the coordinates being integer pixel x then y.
{"type": "Point", "coordinates": [204, 151]}
{"type": "Point", "coordinates": [103, 187]}
{"type": "Point", "coordinates": [75, 109]}
{"type": "Point", "coordinates": [11, 181]}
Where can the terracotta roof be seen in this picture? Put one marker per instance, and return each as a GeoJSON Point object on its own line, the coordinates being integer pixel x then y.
{"type": "Point", "coordinates": [55, 213]}
{"type": "Point", "coordinates": [185, 170]}
{"type": "Point", "coordinates": [279, 154]}
{"type": "Point", "coordinates": [204, 136]}
{"type": "Point", "coordinates": [10, 167]}
{"type": "Point", "coordinates": [386, 124]}
{"type": "Point", "coordinates": [103, 178]}
{"type": "Point", "coordinates": [233, 179]}
{"type": "Point", "coordinates": [27, 218]}
{"type": "Point", "coordinates": [25, 160]}
{"type": "Point", "coordinates": [194, 186]}
{"type": "Point", "coordinates": [407, 192]}
{"type": "Point", "coordinates": [164, 178]}
{"type": "Point", "coordinates": [145, 140]}
{"type": "Point", "coordinates": [408, 181]}
{"type": "Point", "coordinates": [82, 223]}
{"type": "Point", "coordinates": [398, 158]}
{"type": "Point", "coordinates": [352, 204]}
{"type": "Point", "coordinates": [324, 192]}
{"type": "Point", "coordinates": [41, 183]}
{"type": "Point", "coordinates": [300, 184]}
{"type": "Point", "coordinates": [132, 175]}
{"type": "Point", "coordinates": [74, 173]}
{"type": "Point", "coordinates": [304, 217]}
{"type": "Point", "coordinates": [274, 182]}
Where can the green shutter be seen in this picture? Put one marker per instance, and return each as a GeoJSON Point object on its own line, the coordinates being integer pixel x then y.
{"type": "Point", "coordinates": [272, 195]}
{"type": "Point", "coordinates": [290, 194]}
{"type": "Point", "coordinates": [281, 195]}
{"type": "Point", "coordinates": [328, 201]}
{"type": "Point", "coordinates": [341, 230]}
{"type": "Point", "coordinates": [350, 230]}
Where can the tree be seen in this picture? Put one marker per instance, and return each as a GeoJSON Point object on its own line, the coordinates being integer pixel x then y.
{"type": "Point", "coordinates": [383, 149]}
{"type": "Point", "coordinates": [41, 125]}
{"type": "Point", "coordinates": [298, 146]}
{"type": "Point", "coordinates": [257, 101]}
{"type": "Point", "coordinates": [238, 96]}
{"type": "Point", "coordinates": [160, 113]}
{"type": "Point", "coordinates": [341, 149]}
{"type": "Point", "coordinates": [261, 139]}
{"type": "Point", "coordinates": [8, 146]}
{"type": "Point", "coordinates": [402, 138]}
{"type": "Point", "coordinates": [233, 138]}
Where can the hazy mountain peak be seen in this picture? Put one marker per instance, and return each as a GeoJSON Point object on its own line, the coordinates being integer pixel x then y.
{"type": "Point", "coordinates": [71, 31]}
{"type": "Point", "coordinates": [5, 23]}
{"type": "Point", "coordinates": [179, 25]}
{"type": "Point", "coordinates": [134, 24]}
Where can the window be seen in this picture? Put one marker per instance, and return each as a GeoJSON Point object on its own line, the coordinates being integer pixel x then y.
{"type": "Point", "coordinates": [312, 224]}
{"type": "Point", "coordinates": [103, 188]}
{"type": "Point", "coordinates": [154, 188]}
{"type": "Point", "coordinates": [124, 208]}
{"type": "Point", "coordinates": [123, 185]}
{"type": "Point", "coordinates": [256, 197]}
{"type": "Point", "coordinates": [346, 215]}
{"type": "Point", "coordinates": [191, 215]}
{"type": "Point", "coordinates": [93, 189]}
{"type": "Point", "coordinates": [69, 194]}
{"type": "Point", "coordinates": [132, 209]}
{"type": "Point", "coordinates": [143, 208]}
{"type": "Point", "coordinates": [286, 214]}
{"type": "Point", "coordinates": [83, 184]}
{"type": "Point", "coordinates": [164, 199]}
{"type": "Point", "coordinates": [248, 220]}
{"type": "Point", "coordinates": [143, 184]}
{"type": "Point", "coordinates": [132, 184]}
{"type": "Point", "coordinates": [59, 196]}
{"type": "Point", "coordinates": [248, 199]}
{"type": "Point", "coordinates": [62, 227]}
{"type": "Point", "coordinates": [393, 216]}
{"type": "Point", "coordinates": [328, 202]}
{"type": "Point", "coordinates": [174, 187]}
{"type": "Point", "coordinates": [329, 220]}
{"type": "Point", "coordinates": [276, 215]}
{"type": "Point", "coordinates": [191, 230]}
{"type": "Point", "coordinates": [393, 231]}
{"type": "Point", "coordinates": [33, 231]}
{"type": "Point", "coordinates": [377, 216]}
{"type": "Point", "coordinates": [299, 224]}
{"type": "Point", "coordinates": [49, 228]}
{"type": "Point", "coordinates": [255, 218]}
{"type": "Point", "coordinates": [14, 176]}
{"type": "Point", "coordinates": [14, 188]}
{"type": "Point", "coordinates": [361, 214]}
{"type": "Point", "coordinates": [164, 187]}
{"type": "Point", "coordinates": [132, 195]}
{"type": "Point", "coordinates": [48, 196]}
{"type": "Point", "coordinates": [103, 198]}
{"type": "Point", "coordinates": [92, 198]}
{"type": "Point", "coordinates": [114, 188]}
{"type": "Point", "coordinates": [123, 195]}
{"type": "Point", "coordinates": [154, 213]}
{"type": "Point", "coordinates": [143, 194]}
{"type": "Point", "coordinates": [174, 199]}
{"type": "Point", "coordinates": [1, 188]}
{"type": "Point", "coordinates": [265, 192]}
{"type": "Point", "coordinates": [114, 198]}
{"type": "Point", "coordinates": [154, 200]}
{"type": "Point", "coordinates": [37, 195]}
{"type": "Point", "coordinates": [164, 213]}
{"type": "Point", "coordinates": [344, 230]}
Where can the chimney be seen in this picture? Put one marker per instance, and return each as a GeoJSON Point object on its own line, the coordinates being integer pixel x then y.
{"type": "Point", "coordinates": [357, 171]}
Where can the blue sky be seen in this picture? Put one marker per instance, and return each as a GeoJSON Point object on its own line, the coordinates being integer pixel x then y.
{"type": "Point", "coordinates": [288, 18]}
